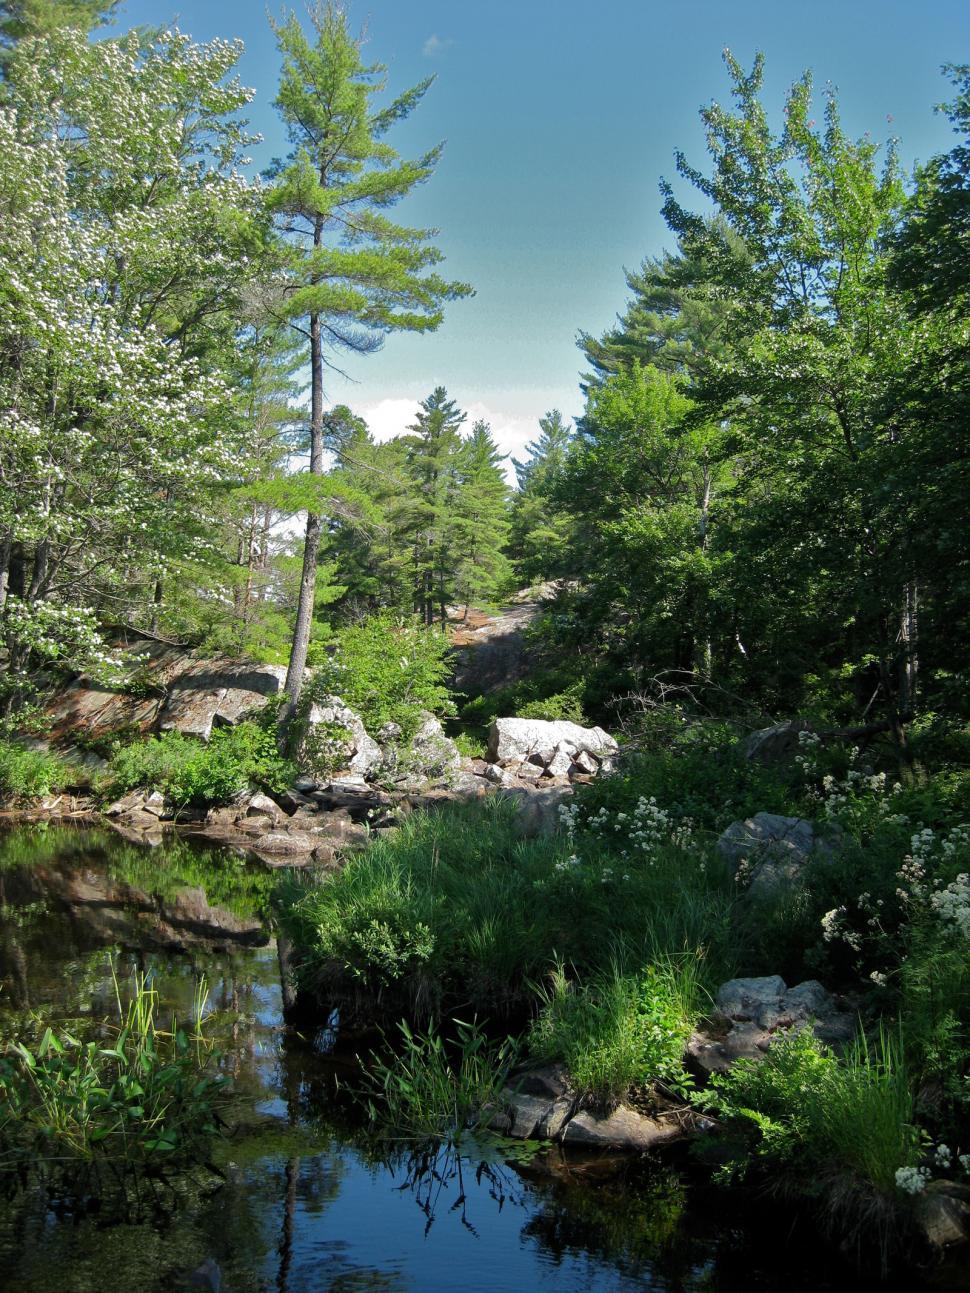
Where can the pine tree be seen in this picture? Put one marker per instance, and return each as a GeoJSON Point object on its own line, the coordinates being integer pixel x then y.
{"type": "Point", "coordinates": [538, 528]}
{"type": "Point", "coordinates": [482, 522]}
{"type": "Point", "coordinates": [435, 452]}
{"type": "Point", "coordinates": [355, 275]}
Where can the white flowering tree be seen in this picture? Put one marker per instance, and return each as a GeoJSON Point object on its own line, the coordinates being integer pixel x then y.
{"type": "Point", "coordinates": [127, 234]}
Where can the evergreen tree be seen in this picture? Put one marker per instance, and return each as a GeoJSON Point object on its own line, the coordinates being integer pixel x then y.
{"type": "Point", "coordinates": [538, 526]}
{"type": "Point", "coordinates": [23, 19]}
{"type": "Point", "coordinates": [354, 275]}
{"type": "Point", "coordinates": [434, 462]}
{"type": "Point", "coordinates": [481, 567]}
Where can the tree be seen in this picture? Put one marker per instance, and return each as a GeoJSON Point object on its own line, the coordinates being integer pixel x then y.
{"type": "Point", "coordinates": [23, 19]}
{"type": "Point", "coordinates": [538, 529]}
{"type": "Point", "coordinates": [482, 524]}
{"type": "Point", "coordinates": [434, 460]}
{"type": "Point", "coordinates": [354, 274]}
{"type": "Point", "coordinates": [126, 239]}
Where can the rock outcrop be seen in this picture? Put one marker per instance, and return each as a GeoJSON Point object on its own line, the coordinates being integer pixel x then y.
{"type": "Point", "coordinates": [752, 1013]}
{"type": "Point", "coordinates": [768, 852]}
{"type": "Point", "coordinates": [530, 749]}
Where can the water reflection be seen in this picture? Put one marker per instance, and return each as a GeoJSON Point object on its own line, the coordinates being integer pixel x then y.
{"type": "Point", "coordinates": [300, 1198]}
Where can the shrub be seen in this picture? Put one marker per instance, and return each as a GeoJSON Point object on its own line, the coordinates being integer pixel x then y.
{"type": "Point", "coordinates": [564, 705]}
{"type": "Point", "coordinates": [189, 772]}
{"type": "Point", "coordinates": [388, 670]}
{"type": "Point", "coordinates": [619, 1030]}
{"type": "Point", "coordinates": [28, 774]}
{"type": "Point", "coordinates": [844, 1126]}
{"type": "Point", "coordinates": [457, 908]}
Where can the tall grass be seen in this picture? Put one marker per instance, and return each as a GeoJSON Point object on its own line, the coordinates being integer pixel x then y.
{"type": "Point", "coordinates": [621, 1029]}
{"type": "Point", "coordinates": [457, 912]}
{"type": "Point", "coordinates": [429, 1089]}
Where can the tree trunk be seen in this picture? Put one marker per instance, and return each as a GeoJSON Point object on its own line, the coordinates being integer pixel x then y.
{"type": "Point", "coordinates": [908, 640]}
{"type": "Point", "coordinates": [314, 529]}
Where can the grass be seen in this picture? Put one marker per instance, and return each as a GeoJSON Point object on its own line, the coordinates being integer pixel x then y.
{"type": "Point", "coordinates": [429, 1089]}
{"type": "Point", "coordinates": [456, 912]}
{"type": "Point", "coordinates": [30, 774]}
{"type": "Point", "coordinates": [621, 1030]}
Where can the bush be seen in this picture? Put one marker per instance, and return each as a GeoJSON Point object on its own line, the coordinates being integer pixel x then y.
{"type": "Point", "coordinates": [28, 774]}
{"type": "Point", "coordinates": [845, 1127]}
{"type": "Point", "coordinates": [389, 671]}
{"type": "Point", "coordinates": [562, 706]}
{"type": "Point", "coordinates": [620, 1030]}
{"type": "Point", "coordinates": [189, 772]}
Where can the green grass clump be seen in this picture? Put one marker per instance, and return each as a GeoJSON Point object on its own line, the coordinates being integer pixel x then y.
{"type": "Point", "coordinates": [430, 1089]}
{"type": "Point", "coordinates": [457, 910]}
{"type": "Point", "coordinates": [189, 772]}
{"type": "Point", "coordinates": [29, 774]}
{"type": "Point", "coordinates": [619, 1030]}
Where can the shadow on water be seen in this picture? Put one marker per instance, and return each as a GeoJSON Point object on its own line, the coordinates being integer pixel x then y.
{"type": "Point", "coordinates": [301, 1197]}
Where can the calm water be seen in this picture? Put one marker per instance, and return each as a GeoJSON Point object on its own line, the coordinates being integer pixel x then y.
{"type": "Point", "coordinates": [303, 1202]}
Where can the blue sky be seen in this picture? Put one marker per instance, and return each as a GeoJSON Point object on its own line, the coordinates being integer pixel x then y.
{"type": "Point", "coordinates": [560, 117]}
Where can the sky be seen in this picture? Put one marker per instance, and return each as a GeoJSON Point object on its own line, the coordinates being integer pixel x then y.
{"type": "Point", "coordinates": [559, 118]}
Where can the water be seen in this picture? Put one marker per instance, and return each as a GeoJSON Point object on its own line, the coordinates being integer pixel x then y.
{"type": "Point", "coordinates": [302, 1200]}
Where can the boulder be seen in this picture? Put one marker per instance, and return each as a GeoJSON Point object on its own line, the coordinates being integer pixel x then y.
{"type": "Point", "coordinates": [770, 851]}
{"type": "Point", "coordinates": [286, 843]}
{"type": "Point", "coordinates": [513, 740]}
{"type": "Point", "coordinates": [432, 752]}
{"type": "Point", "coordinates": [778, 743]}
{"type": "Point", "coordinates": [334, 732]}
{"type": "Point", "coordinates": [622, 1129]}
{"type": "Point", "coordinates": [562, 759]}
{"type": "Point", "coordinates": [942, 1216]}
{"type": "Point", "coordinates": [209, 693]}
{"type": "Point", "coordinates": [751, 1013]}
{"type": "Point", "coordinates": [537, 808]}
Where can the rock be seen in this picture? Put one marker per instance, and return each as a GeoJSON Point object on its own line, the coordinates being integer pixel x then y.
{"type": "Point", "coordinates": [525, 772]}
{"type": "Point", "coordinates": [207, 693]}
{"type": "Point", "coordinates": [515, 739]}
{"type": "Point", "coordinates": [550, 1081]}
{"type": "Point", "coordinates": [752, 1013]}
{"type": "Point", "coordinates": [261, 805]}
{"type": "Point", "coordinates": [432, 751]}
{"type": "Point", "coordinates": [154, 804]}
{"type": "Point", "coordinates": [286, 843]}
{"type": "Point", "coordinates": [585, 762]}
{"type": "Point", "coordinates": [772, 851]}
{"type": "Point", "coordinates": [389, 734]}
{"type": "Point", "coordinates": [778, 743]}
{"type": "Point", "coordinates": [750, 998]}
{"type": "Point", "coordinates": [623, 1129]}
{"type": "Point", "coordinates": [538, 808]}
{"type": "Point", "coordinates": [943, 1218]}
{"type": "Point", "coordinates": [133, 801]}
{"type": "Point", "coordinates": [336, 734]}
{"type": "Point", "coordinates": [562, 759]}
{"type": "Point", "coordinates": [499, 776]}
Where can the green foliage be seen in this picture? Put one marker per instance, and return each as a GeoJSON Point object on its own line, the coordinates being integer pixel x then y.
{"type": "Point", "coordinates": [29, 774]}
{"type": "Point", "coordinates": [618, 1031]}
{"type": "Point", "coordinates": [567, 705]}
{"type": "Point", "coordinates": [189, 772]}
{"type": "Point", "coordinates": [457, 908]}
{"type": "Point", "coordinates": [430, 1089]}
{"type": "Point", "coordinates": [141, 1098]}
{"type": "Point", "coordinates": [827, 1120]}
{"type": "Point", "coordinates": [388, 670]}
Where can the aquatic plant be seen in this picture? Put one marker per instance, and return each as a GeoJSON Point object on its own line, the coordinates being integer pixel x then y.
{"type": "Point", "coordinates": [98, 1109]}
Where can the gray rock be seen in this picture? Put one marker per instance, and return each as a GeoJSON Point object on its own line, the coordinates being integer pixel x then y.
{"type": "Point", "coordinates": [432, 751]}
{"type": "Point", "coordinates": [562, 759]}
{"type": "Point", "coordinates": [261, 805]}
{"type": "Point", "coordinates": [515, 739]}
{"type": "Point", "coordinates": [286, 844]}
{"type": "Point", "coordinates": [623, 1129]}
{"type": "Point", "coordinates": [362, 754]}
{"type": "Point", "coordinates": [778, 743]}
{"type": "Point", "coordinates": [499, 776]}
{"type": "Point", "coordinates": [750, 998]}
{"type": "Point", "coordinates": [943, 1218]}
{"type": "Point", "coordinates": [211, 692]}
{"type": "Point", "coordinates": [772, 851]}
{"type": "Point", "coordinates": [537, 808]}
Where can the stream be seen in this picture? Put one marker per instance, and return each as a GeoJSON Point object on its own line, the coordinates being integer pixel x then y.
{"type": "Point", "coordinates": [301, 1199]}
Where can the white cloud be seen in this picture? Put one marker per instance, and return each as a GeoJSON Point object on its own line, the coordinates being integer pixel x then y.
{"type": "Point", "coordinates": [436, 45]}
